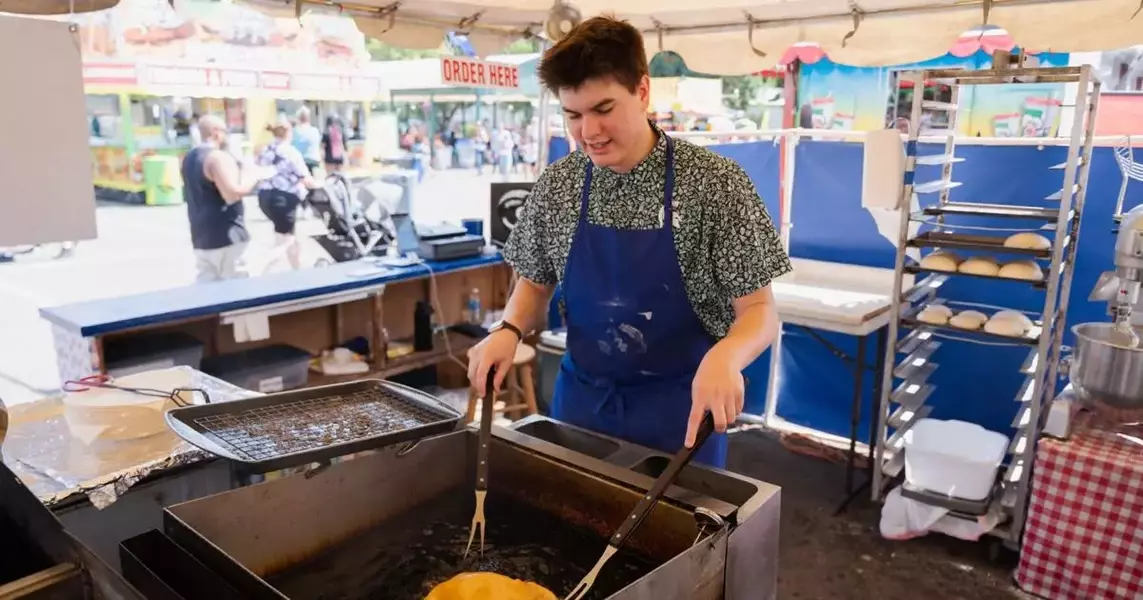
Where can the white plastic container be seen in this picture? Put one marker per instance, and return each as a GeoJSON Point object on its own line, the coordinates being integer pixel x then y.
{"type": "Point", "coordinates": [954, 458]}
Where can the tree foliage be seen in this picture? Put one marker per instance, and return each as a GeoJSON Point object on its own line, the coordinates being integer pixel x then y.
{"type": "Point", "coordinates": [379, 50]}
{"type": "Point", "coordinates": [740, 92]}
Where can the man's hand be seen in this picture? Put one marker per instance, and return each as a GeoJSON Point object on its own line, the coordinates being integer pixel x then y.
{"type": "Point", "coordinates": [718, 387]}
{"type": "Point", "coordinates": [496, 351]}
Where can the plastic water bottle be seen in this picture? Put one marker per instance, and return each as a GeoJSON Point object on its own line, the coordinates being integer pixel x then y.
{"type": "Point", "coordinates": [472, 311]}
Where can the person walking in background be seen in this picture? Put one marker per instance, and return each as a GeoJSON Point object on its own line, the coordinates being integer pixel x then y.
{"type": "Point", "coordinates": [529, 151]}
{"type": "Point", "coordinates": [502, 148]}
{"type": "Point", "coordinates": [334, 145]}
{"type": "Point", "coordinates": [195, 134]}
{"type": "Point", "coordinates": [421, 155]}
{"type": "Point", "coordinates": [307, 139]}
{"type": "Point", "coordinates": [517, 150]}
{"type": "Point", "coordinates": [214, 186]}
{"type": "Point", "coordinates": [482, 143]}
{"type": "Point", "coordinates": [280, 196]}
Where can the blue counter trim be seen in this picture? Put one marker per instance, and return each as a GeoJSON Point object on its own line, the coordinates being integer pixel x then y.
{"type": "Point", "coordinates": [110, 315]}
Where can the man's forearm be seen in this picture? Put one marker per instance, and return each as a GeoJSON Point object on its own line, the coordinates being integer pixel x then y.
{"type": "Point", "coordinates": [754, 329]}
{"type": "Point", "coordinates": [246, 182]}
{"type": "Point", "coordinates": [528, 304]}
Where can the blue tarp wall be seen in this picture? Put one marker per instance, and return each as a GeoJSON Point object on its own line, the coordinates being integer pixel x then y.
{"type": "Point", "coordinates": [974, 383]}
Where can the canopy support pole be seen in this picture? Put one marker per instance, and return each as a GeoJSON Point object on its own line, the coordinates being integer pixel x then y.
{"type": "Point", "coordinates": [543, 129]}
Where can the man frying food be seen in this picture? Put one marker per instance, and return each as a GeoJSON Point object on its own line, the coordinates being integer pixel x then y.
{"type": "Point", "coordinates": [664, 253]}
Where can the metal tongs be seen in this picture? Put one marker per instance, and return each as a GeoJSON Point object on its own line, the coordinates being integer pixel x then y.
{"type": "Point", "coordinates": [484, 439]}
{"type": "Point", "coordinates": [637, 516]}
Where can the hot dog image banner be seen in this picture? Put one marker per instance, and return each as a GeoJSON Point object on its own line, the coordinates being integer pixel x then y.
{"type": "Point", "coordinates": [215, 35]}
{"type": "Point", "coordinates": [841, 97]}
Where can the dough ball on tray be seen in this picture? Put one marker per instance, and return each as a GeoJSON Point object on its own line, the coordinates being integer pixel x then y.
{"type": "Point", "coordinates": [1028, 270]}
{"type": "Point", "coordinates": [941, 261]}
{"type": "Point", "coordinates": [969, 319]}
{"type": "Point", "coordinates": [1005, 327]}
{"type": "Point", "coordinates": [980, 265]}
{"type": "Point", "coordinates": [935, 314]}
{"type": "Point", "coordinates": [1009, 322]}
{"type": "Point", "coordinates": [1028, 241]}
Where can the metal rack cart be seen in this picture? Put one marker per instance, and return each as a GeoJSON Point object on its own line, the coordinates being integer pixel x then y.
{"type": "Point", "coordinates": [905, 381]}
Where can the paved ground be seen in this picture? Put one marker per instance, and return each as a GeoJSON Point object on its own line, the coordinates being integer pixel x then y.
{"type": "Point", "coordinates": [844, 557]}
{"type": "Point", "coordinates": [144, 248]}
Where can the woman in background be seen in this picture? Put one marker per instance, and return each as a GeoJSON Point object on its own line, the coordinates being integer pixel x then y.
{"type": "Point", "coordinates": [307, 139]}
{"type": "Point", "coordinates": [280, 196]}
{"type": "Point", "coordinates": [529, 151]}
{"type": "Point", "coordinates": [334, 144]}
{"type": "Point", "coordinates": [421, 155]}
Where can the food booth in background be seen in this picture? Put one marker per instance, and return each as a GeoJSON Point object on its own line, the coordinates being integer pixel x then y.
{"type": "Point", "coordinates": [848, 98]}
{"type": "Point", "coordinates": [424, 97]}
{"type": "Point", "coordinates": [149, 71]}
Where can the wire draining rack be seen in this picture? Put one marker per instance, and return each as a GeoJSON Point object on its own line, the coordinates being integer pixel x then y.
{"type": "Point", "coordinates": [289, 429]}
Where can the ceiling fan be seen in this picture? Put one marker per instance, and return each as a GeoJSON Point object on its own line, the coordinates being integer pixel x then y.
{"type": "Point", "coordinates": [561, 20]}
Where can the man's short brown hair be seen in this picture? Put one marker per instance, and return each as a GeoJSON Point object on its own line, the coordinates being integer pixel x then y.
{"type": "Point", "coordinates": [598, 47]}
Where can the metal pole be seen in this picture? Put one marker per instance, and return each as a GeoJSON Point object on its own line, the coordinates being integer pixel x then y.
{"type": "Point", "coordinates": [542, 128]}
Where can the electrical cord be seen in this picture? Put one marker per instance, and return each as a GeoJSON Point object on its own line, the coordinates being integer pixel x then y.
{"type": "Point", "coordinates": [434, 301]}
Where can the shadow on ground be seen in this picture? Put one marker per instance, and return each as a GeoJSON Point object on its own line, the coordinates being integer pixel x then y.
{"type": "Point", "coordinates": [824, 557]}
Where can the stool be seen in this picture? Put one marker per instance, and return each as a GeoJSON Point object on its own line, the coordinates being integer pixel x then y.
{"type": "Point", "coordinates": [518, 382]}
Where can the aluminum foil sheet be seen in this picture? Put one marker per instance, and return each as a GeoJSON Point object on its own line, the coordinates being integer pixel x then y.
{"type": "Point", "coordinates": [55, 465]}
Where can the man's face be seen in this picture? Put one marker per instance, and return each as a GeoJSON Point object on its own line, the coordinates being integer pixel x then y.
{"type": "Point", "coordinates": [606, 119]}
{"type": "Point", "coordinates": [221, 138]}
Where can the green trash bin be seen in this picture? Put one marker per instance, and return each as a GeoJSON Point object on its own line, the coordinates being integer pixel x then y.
{"type": "Point", "coordinates": [162, 182]}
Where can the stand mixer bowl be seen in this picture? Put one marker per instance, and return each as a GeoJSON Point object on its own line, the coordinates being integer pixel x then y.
{"type": "Point", "coordinates": [1104, 368]}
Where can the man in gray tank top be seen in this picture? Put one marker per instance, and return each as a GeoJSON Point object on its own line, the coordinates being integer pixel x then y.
{"type": "Point", "coordinates": [214, 186]}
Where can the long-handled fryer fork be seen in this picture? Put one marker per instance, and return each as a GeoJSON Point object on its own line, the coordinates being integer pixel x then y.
{"type": "Point", "coordinates": [484, 439]}
{"type": "Point", "coordinates": [648, 502]}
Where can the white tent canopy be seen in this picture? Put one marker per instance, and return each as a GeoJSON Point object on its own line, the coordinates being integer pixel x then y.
{"type": "Point", "coordinates": [730, 37]}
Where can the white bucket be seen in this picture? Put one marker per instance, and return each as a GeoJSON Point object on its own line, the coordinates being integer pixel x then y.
{"type": "Point", "coordinates": [953, 458]}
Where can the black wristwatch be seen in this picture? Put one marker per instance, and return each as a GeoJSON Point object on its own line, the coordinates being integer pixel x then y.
{"type": "Point", "coordinates": [497, 326]}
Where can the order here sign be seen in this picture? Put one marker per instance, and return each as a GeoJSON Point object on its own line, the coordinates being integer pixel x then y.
{"type": "Point", "coordinates": [476, 73]}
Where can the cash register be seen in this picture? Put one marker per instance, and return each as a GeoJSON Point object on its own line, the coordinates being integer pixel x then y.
{"type": "Point", "coordinates": [435, 242]}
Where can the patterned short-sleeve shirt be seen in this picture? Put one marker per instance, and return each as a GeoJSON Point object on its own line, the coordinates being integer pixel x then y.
{"type": "Point", "coordinates": [289, 168]}
{"type": "Point", "coordinates": [727, 245]}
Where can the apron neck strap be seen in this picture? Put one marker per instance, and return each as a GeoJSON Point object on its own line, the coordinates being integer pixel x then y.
{"type": "Point", "coordinates": [668, 186]}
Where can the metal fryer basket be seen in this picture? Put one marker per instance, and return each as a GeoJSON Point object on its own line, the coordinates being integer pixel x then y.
{"type": "Point", "coordinates": [288, 429]}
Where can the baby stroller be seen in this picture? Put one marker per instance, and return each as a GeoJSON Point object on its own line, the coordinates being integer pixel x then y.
{"type": "Point", "coordinates": [351, 233]}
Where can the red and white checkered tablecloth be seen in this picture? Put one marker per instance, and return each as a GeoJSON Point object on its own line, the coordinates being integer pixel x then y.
{"type": "Point", "coordinates": [1084, 534]}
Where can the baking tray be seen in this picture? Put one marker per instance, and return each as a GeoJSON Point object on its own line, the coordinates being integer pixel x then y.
{"type": "Point", "coordinates": [975, 209]}
{"type": "Point", "coordinates": [1035, 283]}
{"type": "Point", "coordinates": [1028, 339]}
{"type": "Point", "coordinates": [289, 429]}
{"type": "Point", "coordinates": [965, 241]}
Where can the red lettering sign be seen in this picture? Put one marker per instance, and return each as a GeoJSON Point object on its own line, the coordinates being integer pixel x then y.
{"type": "Point", "coordinates": [466, 72]}
{"type": "Point", "coordinates": [275, 81]}
{"type": "Point", "coordinates": [196, 78]}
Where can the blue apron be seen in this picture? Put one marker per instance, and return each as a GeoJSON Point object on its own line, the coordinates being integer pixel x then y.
{"type": "Point", "coordinates": [634, 341]}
